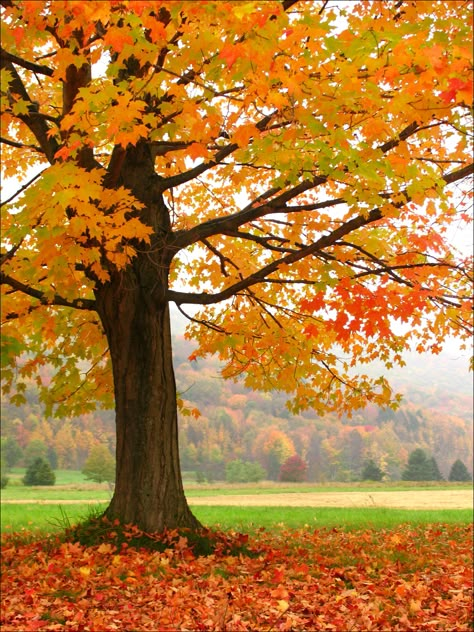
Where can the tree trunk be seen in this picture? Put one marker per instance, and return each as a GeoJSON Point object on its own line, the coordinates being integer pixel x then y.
{"type": "Point", "coordinates": [148, 488]}
{"type": "Point", "coordinates": [135, 314]}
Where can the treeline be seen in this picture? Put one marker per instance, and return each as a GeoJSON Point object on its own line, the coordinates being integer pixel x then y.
{"type": "Point", "coordinates": [239, 425]}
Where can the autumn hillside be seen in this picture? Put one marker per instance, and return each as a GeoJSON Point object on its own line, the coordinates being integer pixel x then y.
{"type": "Point", "coordinates": [236, 423]}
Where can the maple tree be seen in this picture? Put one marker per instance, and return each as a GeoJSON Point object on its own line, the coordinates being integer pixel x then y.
{"type": "Point", "coordinates": [288, 166]}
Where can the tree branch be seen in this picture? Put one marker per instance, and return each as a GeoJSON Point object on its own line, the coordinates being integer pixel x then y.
{"type": "Point", "coordinates": [13, 143]}
{"type": "Point", "coordinates": [262, 275]}
{"type": "Point", "coordinates": [25, 186]}
{"type": "Point", "coordinates": [35, 123]}
{"type": "Point", "coordinates": [278, 204]}
{"type": "Point", "coordinates": [186, 176]}
{"type": "Point", "coordinates": [28, 65]}
{"type": "Point", "coordinates": [78, 303]}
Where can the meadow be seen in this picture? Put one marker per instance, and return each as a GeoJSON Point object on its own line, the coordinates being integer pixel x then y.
{"type": "Point", "coordinates": [272, 568]}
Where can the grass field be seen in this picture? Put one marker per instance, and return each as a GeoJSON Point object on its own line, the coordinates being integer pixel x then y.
{"type": "Point", "coordinates": [92, 498]}
{"type": "Point", "coordinates": [46, 518]}
{"type": "Point", "coordinates": [72, 485]}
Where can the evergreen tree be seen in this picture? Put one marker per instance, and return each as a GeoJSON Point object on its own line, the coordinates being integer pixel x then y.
{"type": "Point", "coordinates": [419, 467]}
{"type": "Point", "coordinates": [100, 465]}
{"type": "Point", "coordinates": [435, 473]}
{"type": "Point", "coordinates": [39, 473]}
{"type": "Point", "coordinates": [371, 471]}
{"type": "Point", "coordinates": [3, 476]}
{"type": "Point", "coordinates": [459, 472]}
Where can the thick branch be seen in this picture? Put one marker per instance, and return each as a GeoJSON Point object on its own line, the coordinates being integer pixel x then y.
{"type": "Point", "coordinates": [262, 276]}
{"type": "Point", "coordinates": [255, 210]}
{"type": "Point", "coordinates": [28, 65]}
{"type": "Point", "coordinates": [77, 303]}
{"type": "Point", "coordinates": [186, 176]}
{"type": "Point", "coordinates": [12, 143]}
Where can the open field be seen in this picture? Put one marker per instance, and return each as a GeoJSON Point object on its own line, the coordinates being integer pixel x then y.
{"type": "Point", "coordinates": [55, 516]}
{"type": "Point", "coordinates": [298, 496]}
{"type": "Point", "coordinates": [51, 518]}
{"type": "Point", "coordinates": [412, 499]}
{"type": "Point", "coordinates": [332, 558]}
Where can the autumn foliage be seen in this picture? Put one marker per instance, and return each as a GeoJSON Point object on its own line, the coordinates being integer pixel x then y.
{"type": "Point", "coordinates": [294, 169]}
{"type": "Point", "coordinates": [300, 153]}
{"type": "Point", "coordinates": [408, 579]}
{"type": "Point", "coordinates": [293, 469]}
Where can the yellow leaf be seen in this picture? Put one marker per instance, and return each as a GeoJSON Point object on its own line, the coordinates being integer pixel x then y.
{"type": "Point", "coordinates": [283, 605]}
{"type": "Point", "coordinates": [415, 605]}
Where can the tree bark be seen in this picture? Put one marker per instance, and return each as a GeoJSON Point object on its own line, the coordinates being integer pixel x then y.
{"type": "Point", "coordinates": [148, 488]}
{"type": "Point", "coordinates": [133, 307]}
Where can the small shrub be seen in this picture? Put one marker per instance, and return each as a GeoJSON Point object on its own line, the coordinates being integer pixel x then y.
{"type": "Point", "coordinates": [100, 465]}
{"type": "Point", "coordinates": [238, 471]}
{"type": "Point", "coordinates": [3, 481]}
{"type": "Point", "coordinates": [39, 473]}
{"type": "Point", "coordinates": [200, 477]}
{"type": "Point", "coordinates": [293, 470]}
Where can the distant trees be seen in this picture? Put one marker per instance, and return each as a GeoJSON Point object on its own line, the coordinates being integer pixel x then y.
{"type": "Point", "coordinates": [100, 465]}
{"type": "Point", "coordinates": [39, 473]}
{"type": "Point", "coordinates": [420, 467]}
{"type": "Point", "coordinates": [293, 470]}
{"type": "Point", "coordinates": [239, 471]}
{"type": "Point", "coordinates": [239, 424]}
{"type": "Point", "coordinates": [35, 449]}
{"type": "Point", "coordinates": [272, 448]}
{"type": "Point", "coordinates": [11, 452]}
{"type": "Point", "coordinates": [371, 471]}
{"type": "Point", "coordinates": [3, 479]}
{"type": "Point", "coordinates": [459, 472]}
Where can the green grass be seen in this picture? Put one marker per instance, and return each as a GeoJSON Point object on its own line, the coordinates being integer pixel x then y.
{"type": "Point", "coordinates": [44, 518]}
{"type": "Point", "coordinates": [55, 493]}
{"type": "Point", "coordinates": [52, 518]}
{"type": "Point", "coordinates": [248, 519]}
{"type": "Point", "coordinates": [71, 485]}
{"type": "Point", "coordinates": [63, 477]}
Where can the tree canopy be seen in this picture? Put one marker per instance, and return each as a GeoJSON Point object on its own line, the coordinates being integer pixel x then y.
{"type": "Point", "coordinates": [295, 169]}
{"type": "Point", "coordinates": [303, 152]}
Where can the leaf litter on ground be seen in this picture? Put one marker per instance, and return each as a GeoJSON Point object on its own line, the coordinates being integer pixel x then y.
{"type": "Point", "coordinates": [409, 578]}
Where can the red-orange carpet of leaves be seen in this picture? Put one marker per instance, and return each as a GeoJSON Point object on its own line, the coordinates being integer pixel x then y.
{"type": "Point", "coordinates": [413, 578]}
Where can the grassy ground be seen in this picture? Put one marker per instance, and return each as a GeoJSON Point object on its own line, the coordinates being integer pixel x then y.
{"type": "Point", "coordinates": [63, 477]}
{"type": "Point", "coordinates": [72, 485]}
{"type": "Point", "coordinates": [52, 518]}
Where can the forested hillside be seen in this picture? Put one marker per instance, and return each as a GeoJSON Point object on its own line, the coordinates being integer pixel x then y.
{"type": "Point", "coordinates": [236, 423]}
